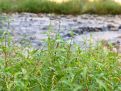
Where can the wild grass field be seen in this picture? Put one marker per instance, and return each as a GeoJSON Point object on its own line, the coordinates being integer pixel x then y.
{"type": "Point", "coordinates": [60, 67]}
{"type": "Point", "coordinates": [67, 7]}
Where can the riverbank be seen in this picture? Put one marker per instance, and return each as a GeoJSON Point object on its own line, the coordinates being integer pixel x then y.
{"type": "Point", "coordinates": [73, 7]}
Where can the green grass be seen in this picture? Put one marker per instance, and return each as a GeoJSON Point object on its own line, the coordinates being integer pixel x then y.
{"type": "Point", "coordinates": [40, 6]}
{"type": "Point", "coordinates": [71, 7]}
{"type": "Point", "coordinates": [60, 67]}
{"type": "Point", "coordinates": [102, 7]}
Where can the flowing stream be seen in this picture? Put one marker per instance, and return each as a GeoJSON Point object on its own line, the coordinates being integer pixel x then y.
{"type": "Point", "coordinates": [34, 27]}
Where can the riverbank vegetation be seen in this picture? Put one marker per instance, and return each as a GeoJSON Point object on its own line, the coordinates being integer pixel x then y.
{"type": "Point", "coordinates": [70, 7]}
{"type": "Point", "coordinates": [61, 66]}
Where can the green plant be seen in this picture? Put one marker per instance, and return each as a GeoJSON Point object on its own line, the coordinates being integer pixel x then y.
{"type": "Point", "coordinates": [61, 66]}
{"type": "Point", "coordinates": [5, 6]}
{"type": "Point", "coordinates": [37, 6]}
{"type": "Point", "coordinates": [70, 7]}
{"type": "Point", "coordinates": [102, 7]}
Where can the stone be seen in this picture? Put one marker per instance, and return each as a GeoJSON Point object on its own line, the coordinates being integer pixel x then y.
{"type": "Point", "coordinates": [38, 43]}
{"type": "Point", "coordinates": [45, 27]}
{"type": "Point", "coordinates": [67, 35]}
{"type": "Point", "coordinates": [79, 22]}
{"type": "Point", "coordinates": [112, 27]}
{"type": "Point", "coordinates": [78, 31]}
{"type": "Point", "coordinates": [32, 38]}
{"type": "Point", "coordinates": [119, 27]}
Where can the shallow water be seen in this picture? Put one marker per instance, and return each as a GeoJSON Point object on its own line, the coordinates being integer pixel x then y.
{"type": "Point", "coordinates": [98, 36]}
{"type": "Point", "coordinates": [34, 27]}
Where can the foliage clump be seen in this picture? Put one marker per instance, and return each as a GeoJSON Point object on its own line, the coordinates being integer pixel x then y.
{"type": "Point", "coordinates": [62, 66]}
{"type": "Point", "coordinates": [71, 7]}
